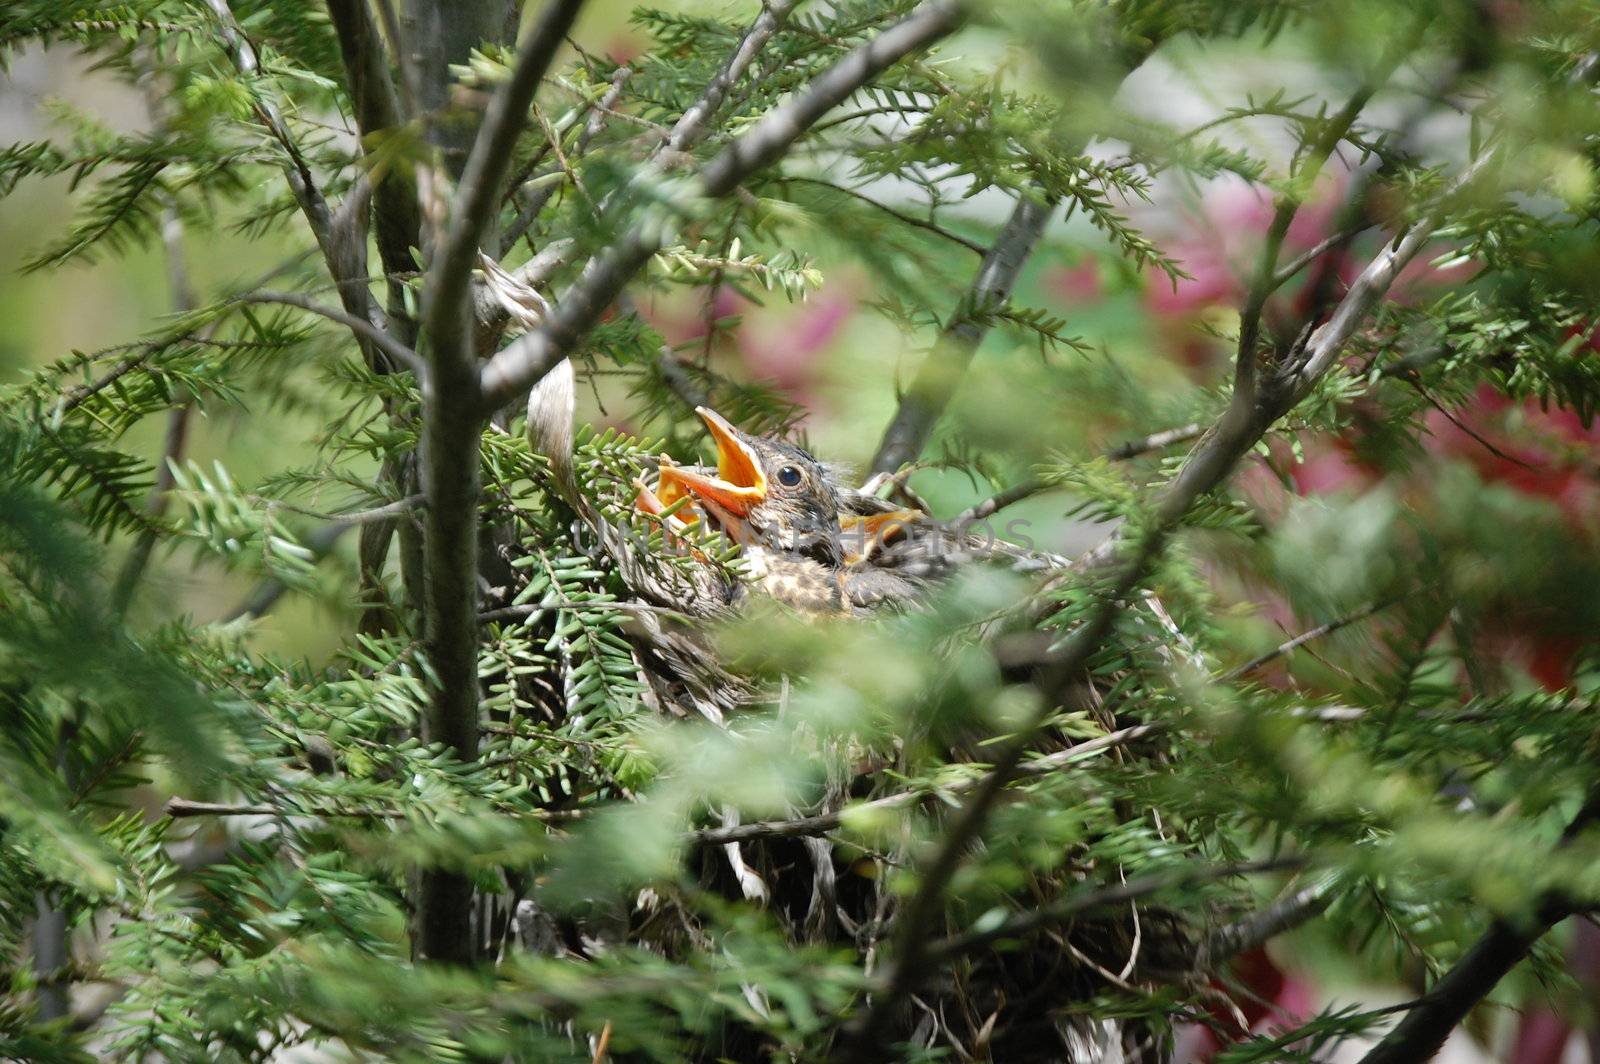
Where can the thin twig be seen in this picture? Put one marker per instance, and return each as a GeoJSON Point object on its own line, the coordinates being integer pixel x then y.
{"type": "Point", "coordinates": [533, 609]}
{"type": "Point", "coordinates": [1155, 441]}
{"type": "Point", "coordinates": [1286, 273]}
{"type": "Point", "coordinates": [397, 508]}
{"type": "Point", "coordinates": [179, 808]}
{"type": "Point", "coordinates": [363, 328]}
{"type": "Point", "coordinates": [1308, 636]}
{"type": "Point", "coordinates": [1415, 381]}
{"type": "Point", "coordinates": [1027, 489]}
{"type": "Point", "coordinates": [901, 216]}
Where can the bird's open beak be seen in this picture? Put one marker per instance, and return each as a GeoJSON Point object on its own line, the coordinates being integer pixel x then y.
{"type": "Point", "coordinates": [739, 483]}
{"type": "Point", "coordinates": [727, 497]}
{"type": "Point", "coordinates": [863, 535]}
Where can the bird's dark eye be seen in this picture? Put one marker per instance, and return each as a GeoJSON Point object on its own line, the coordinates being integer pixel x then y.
{"type": "Point", "coordinates": [788, 476]}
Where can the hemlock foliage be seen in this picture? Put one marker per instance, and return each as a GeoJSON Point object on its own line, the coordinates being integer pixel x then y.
{"type": "Point", "coordinates": [1404, 774]}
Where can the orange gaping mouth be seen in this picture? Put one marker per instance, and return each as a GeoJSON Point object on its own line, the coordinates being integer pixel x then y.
{"type": "Point", "coordinates": [727, 497]}
{"type": "Point", "coordinates": [863, 535]}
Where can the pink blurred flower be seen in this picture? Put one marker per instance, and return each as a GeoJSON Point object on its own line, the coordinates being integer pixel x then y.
{"type": "Point", "coordinates": [788, 348]}
{"type": "Point", "coordinates": [778, 343]}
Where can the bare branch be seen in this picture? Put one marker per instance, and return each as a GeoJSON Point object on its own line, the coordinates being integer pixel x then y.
{"type": "Point", "coordinates": [1027, 489]}
{"type": "Point", "coordinates": [1325, 345]}
{"type": "Point", "coordinates": [1155, 441]}
{"type": "Point", "coordinates": [184, 300]}
{"type": "Point", "coordinates": [937, 380]}
{"type": "Point", "coordinates": [515, 369]}
{"type": "Point", "coordinates": [1321, 248]}
{"type": "Point", "coordinates": [1257, 929]}
{"type": "Point", "coordinates": [695, 123]}
{"type": "Point", "coordinates": [179, 808]}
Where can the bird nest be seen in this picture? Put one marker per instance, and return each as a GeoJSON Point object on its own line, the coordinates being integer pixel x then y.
{"type": "Point", "coordinates": [616, 572]}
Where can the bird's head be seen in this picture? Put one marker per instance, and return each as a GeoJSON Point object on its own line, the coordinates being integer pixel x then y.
{"type": "Point", "coordinates": [765, 492]}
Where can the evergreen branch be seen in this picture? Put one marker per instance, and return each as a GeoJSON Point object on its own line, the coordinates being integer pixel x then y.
{"type": "Point", "coordinates": [518, 367]}
{"type": "Point", "coordinates": [1064, 909]}
{"type": "Point", "coordinates": [179, 808]}
{"type": "Point", "coordinates": [1432, 1017]}
{"type": "Point", "coordinates": [773, 135]}
{"type": "Point", "coordinates": [692, 127]}
{"type": "Point", "coordinates": [823, 823]}
{"type": "Point", "coordinates": [1027, 489]}
{"type": "Point", "coordinates": [900, 216]}
{"type": "Point", "coordinates": [1310, 635]}
{"type": "Point", "coordinates": [361, 327]}
{"type": "Point", "coordinates": [1267, 278]}
{"type": "Point", "coordinates": [1250, 412]}
{"type": "Point", "coordinates": [1253, 409]}
{"type": "Point", "coordinates": [80, 393]}
{"type": "Point", "coordinates": [911, 953]}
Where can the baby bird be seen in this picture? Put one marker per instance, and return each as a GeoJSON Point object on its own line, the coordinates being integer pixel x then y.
{"type": "Point", "coordinates": [806, 541]}
{"type": "Point", "coordinates": [776, 502]}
